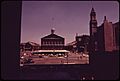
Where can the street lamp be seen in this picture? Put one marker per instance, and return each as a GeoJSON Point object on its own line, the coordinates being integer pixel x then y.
{"type": "Point", "coordinates": [67, 58]}
{"type": "Point", "coordinates": [86, 47]}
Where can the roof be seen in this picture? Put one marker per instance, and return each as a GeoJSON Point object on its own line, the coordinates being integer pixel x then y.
{"type": "Point", "coordinates": [33, 44]}
{"type": "Point", "coordinates": [52, 36]}
{"type": "Point", "coordinates": [22, 43]}
{"type": "Point", "coordinates": [72, 43]}
{"type": "Point", "coordinates": [51, 51]}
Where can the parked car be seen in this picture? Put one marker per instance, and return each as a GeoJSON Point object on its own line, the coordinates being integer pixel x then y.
{"type": "Point", "coordinates": [28, 60]}
{"type": "Point", "coordinates": [40, 56]}
{"type": "Point", "coordinates": [85, 55]}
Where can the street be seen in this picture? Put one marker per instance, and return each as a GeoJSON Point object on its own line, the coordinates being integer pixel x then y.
{"type": "Point", "coordinates": [71, 59]}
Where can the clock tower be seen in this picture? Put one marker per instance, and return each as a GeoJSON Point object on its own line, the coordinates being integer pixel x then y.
{"type": "Point", "coordinates": [93, 30]}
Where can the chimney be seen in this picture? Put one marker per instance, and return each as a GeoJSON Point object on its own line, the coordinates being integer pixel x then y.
{"type": "Point", "coordinates": [104, 18]}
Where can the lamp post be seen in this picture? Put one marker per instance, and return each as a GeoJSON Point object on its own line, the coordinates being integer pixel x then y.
{"type": "Point", "coordinates": [67, 58]}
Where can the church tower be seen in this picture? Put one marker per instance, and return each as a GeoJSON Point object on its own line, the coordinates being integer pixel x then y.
{"type": "Point", "coordinates": [93, 30]}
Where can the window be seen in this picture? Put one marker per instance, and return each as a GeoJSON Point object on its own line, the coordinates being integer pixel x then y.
{"type": "Point", "coordinates": [79, 39]}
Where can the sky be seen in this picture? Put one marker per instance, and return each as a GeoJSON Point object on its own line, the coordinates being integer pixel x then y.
{"type": "Point", "coordinates": [67, 17]}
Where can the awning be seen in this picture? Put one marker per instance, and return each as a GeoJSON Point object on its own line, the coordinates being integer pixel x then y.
{"type": "Point", "coordinates": [57, 51]}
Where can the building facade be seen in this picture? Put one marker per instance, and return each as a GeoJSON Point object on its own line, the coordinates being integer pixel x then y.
{"type": "Point", "coordinates": [116, 36]}
{"type": "Point", "coordinates": [29, 46]}
{"type": "Point", "coordinates": [81, 44]}
{"type": "Point", "coordinates": [71, 46]}
{"type": "Point", "coordinates": [105, 36]}
{"type": "Point", "coordinates": [52, 42]}
{"type": "Point", "coordinates": [93, 31]}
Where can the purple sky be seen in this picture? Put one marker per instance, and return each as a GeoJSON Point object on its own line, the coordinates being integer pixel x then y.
{"type": "Point", "coordinates": [70, 17]}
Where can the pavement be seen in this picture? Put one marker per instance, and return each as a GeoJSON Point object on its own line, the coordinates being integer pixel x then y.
{"type": "Point", "coordinates": [73, 58]}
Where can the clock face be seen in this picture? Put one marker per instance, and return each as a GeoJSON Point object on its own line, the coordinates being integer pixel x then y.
{"type": "Point", "coordinates": [93, 18]}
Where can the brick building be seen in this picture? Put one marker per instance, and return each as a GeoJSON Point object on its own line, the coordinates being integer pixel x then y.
{"type": "Point", "coordinates": [103, 38]}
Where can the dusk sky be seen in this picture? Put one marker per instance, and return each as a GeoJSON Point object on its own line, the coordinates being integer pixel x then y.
{"type": "Point", "coordinates": [67, 17]}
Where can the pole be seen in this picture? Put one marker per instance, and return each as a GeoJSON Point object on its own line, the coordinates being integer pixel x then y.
{"type": "Point", "coordinates": [67, 58]}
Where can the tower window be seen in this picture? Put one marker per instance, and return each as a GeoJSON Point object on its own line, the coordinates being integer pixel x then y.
{"type": "Point", "coordinates": [79, 39]}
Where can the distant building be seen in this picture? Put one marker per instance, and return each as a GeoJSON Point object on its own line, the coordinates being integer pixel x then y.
{"type": "Point", "coordinates": [29, 46]}
{"type": "Point", "coordinates": [52, 42]}
{"type": "Point", "coordinates": [116, 36]}
{"type": "Point", "coordinates": [93, 31]}
{"type": "Point", "coordinates": [71, 46]}
{"type": "Point", "coordinates": [105, 37]}
{"type": "Point", "coordinates": [81, 44]}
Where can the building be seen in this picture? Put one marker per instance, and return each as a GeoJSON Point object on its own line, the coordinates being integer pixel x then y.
{"type": "Point", "coordinates": [71, 46]}
{"type": "Point", "coordinates": [116, 36]}
{"type": "Point", "coordinates": [29, 46]}
{"type": "Point", "coordinates": [81, 44]}
{"type": "Point", "coordinates": [105, 36]}
{"type": "Point", "coordinates": [93, 31]}
{"type": "Point", "coordinates": [51, 45]}
{"type": "Point", "coordinates": [52, 42]}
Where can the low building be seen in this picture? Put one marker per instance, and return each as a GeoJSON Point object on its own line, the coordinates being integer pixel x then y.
{"type": "Point", "coordinates": [71, 46]}
{"type": "Point", "coordinates": [81, 44]}
{"type": "Point", "coordinates": [29, 46]}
